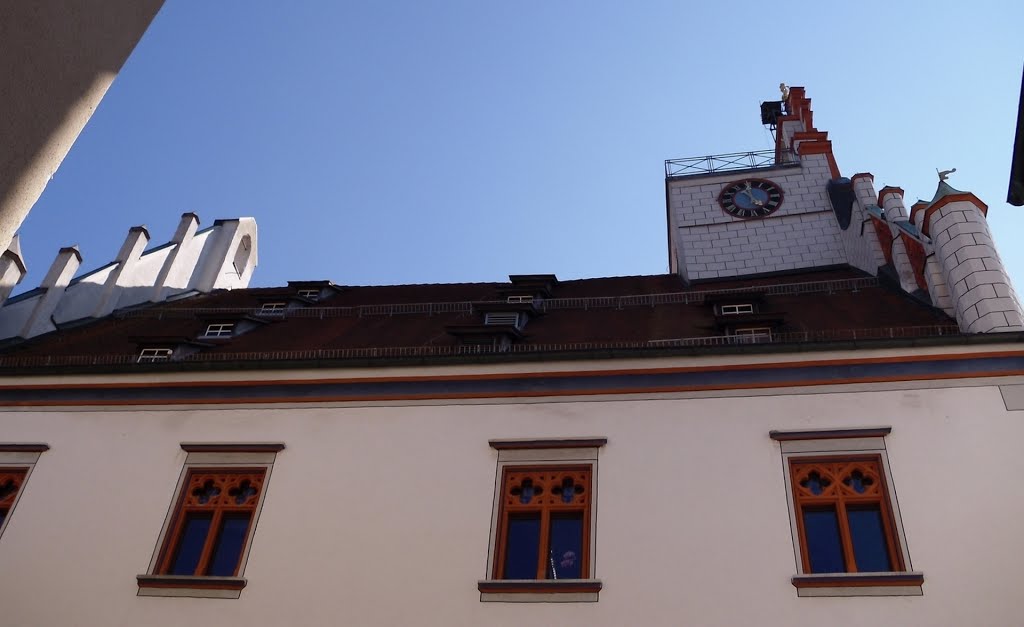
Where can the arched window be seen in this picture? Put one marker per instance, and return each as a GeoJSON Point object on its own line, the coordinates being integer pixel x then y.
{"type": "Point", "coordinates": [242, 254]}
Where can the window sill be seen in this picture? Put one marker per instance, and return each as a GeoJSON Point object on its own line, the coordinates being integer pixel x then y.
{"type": "Point", "coordinates": [181, 586]}
{"type": "Point", "coordinates": [539, 590]}
{"type": "Point", "coordinates": [859, 584]}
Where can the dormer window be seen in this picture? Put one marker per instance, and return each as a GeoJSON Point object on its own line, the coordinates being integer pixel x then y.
{"type": "Point", "coordinates": [736, 309]}
{"type": "Point", "coordinates": [752, 335]}
{"type": "Point", "coordinates": [220, 329]}
{"type": "Point", "coordinates": [503, 318]}
{"type": "Point", "coordinates": [313, 295]}
{"type": "Point", "coordinates": [152, 355]}
{"type": "Point", "coordinates": [273, 309]}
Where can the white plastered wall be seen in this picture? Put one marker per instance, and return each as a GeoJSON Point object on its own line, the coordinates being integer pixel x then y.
{"type": "Point", "coordinates": [381, 514]}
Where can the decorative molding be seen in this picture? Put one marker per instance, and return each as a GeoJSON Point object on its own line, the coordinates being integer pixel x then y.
{"type": "Point", "coordinates": [216, 447]}
{"type": "Point", "coordinates": [889, 189]}
{"type": "Point", "coordinates": [858, 580]}
{"type": "Point", "coordinates": [178, 581]}
{"type": "Point", "coordinates": [773, 375]}
{"type": "Point", "coordinates": [544, 586]}
{"type": "Point", "coordinates": [923, 222]}
{"type": "Point", "coordinates": [829, 434]}
{"type": "Point", "coordinates": [550, 443]}
{"type": "Point", "coordinates": [24, 448]}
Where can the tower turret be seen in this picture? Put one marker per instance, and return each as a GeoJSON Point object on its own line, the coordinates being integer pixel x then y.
{"type": "Point", "coordinates": [979, 288]}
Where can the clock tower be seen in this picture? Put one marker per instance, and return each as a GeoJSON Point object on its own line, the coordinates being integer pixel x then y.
{"type": "Point", "coordinates": [753, 213]}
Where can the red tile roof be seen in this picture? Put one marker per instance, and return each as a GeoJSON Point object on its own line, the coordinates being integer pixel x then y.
{"type": "Point", "coordinates": [828, 304]}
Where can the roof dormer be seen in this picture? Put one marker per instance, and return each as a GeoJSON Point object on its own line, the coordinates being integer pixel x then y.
{"type": "Point", "coordinates": [528, 288]}
{"type": "Point", "coordinates": [314, 291]}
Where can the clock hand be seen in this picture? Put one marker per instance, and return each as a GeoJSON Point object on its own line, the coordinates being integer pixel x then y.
{"type": "Point", "coordinates": [750, 194]}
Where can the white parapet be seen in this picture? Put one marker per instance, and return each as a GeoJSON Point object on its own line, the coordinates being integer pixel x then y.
{"type": "Point", "coordinates": [54, 285]}
{"type": "Point", "coordinates": [220, 257]}
{"type": "Point", "coordinates": [12, 268]}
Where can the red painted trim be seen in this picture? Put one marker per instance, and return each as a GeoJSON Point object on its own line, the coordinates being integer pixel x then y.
{"type": "Point", "coordinates": [942, 202]}
{"type": "Point", "coordinates": [811, 135]}
{"type": "Point", "coordinates": [799, 108]}
{"type": "Point", "coordinates": [914, 209]}
{"type": "Point", "coordinates": [884, 235]}
{"type": "Point", "coordinates": [479, 395]}
{"type": "Point", "coordinates": [889, 189]}
{"type": "Point", "coordinates": [917, 257]}
{"type": "Point", "coordinates": [812, 141]}
{"type": "Point", "coordinates": [532, 375]}
{"type": "Point", "coordinates": [820, 147]}
{"type": "Point", "coordinates": [244, 399]}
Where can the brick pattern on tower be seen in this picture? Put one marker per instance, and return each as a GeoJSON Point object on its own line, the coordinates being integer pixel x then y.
{"type": "Point", "coordinates": [983, 298]}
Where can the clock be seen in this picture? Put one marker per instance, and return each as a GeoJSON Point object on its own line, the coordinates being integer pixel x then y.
{"type": "Point", "coordinates": [750, 198]}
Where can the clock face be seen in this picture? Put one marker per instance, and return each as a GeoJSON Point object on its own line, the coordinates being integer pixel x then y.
{"type": "Point", "coordinates": [750, 198]}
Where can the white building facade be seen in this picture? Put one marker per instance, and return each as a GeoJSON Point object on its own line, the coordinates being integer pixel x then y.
{"type": "Point", "coordinates": [383, 512]}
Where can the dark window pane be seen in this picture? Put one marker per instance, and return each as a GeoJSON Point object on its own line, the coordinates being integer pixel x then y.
{"type": "Point", "coordinates": [522, 546]}
{"type": "Point", "coordinates": [823, 546]}
{"type": "Point", "coordinates": [868, 535]}
{"type": "Point", "coordinates": [228, 549]}
{"type": "Point", "coordinates": [565, 553]}
{"type": "Point", "coordinates": [190, 545]}
{"type": "Point", "coordinates": [3, 516]}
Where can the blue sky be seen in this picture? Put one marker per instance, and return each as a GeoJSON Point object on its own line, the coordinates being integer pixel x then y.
{"type": "Point", "coordinates": [424, 142]}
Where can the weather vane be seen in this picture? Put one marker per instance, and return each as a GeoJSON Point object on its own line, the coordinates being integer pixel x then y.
{"type": "Point", "coordinates": [943, 175]}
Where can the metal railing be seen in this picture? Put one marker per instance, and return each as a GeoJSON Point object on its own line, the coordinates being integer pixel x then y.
{"type": "Point", "coordinates": [467, 307]}
{"type": "Point", "coordinates": [728, 162]}
{"type": "Point", "coordinates": [802, 337]}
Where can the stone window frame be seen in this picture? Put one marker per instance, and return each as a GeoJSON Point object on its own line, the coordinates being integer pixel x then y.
{"type": "Point", "coordinates": [207, 456]}
{"type": "Point", "coordinates": [21, 457]}
{"type": "Point", "coordinates": [537, 453]}
{"type": "Point", "coordinates": [843, 444]}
